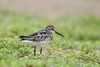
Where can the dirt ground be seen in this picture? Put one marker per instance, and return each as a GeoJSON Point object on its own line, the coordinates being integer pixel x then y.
{"type": "Point", "coordinates": [53, 8]}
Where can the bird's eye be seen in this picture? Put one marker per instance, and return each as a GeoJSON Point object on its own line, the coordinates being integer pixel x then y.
{"type": "Point", "coordinates": [52, 29]}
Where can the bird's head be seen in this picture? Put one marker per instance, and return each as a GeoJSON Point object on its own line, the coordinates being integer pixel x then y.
{"type": "Point", "coordinates": [52, 30]}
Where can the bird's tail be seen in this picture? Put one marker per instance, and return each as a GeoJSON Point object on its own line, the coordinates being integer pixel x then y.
{"type": "Point", "coordinates": [22, 37]}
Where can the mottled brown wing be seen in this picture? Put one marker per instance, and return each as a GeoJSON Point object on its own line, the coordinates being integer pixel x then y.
{"type": "Point", "coordinates": [38, 36]}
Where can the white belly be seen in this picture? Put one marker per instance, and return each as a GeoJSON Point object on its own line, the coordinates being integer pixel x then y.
{"type": "Point", "coordinates": [38, 44]}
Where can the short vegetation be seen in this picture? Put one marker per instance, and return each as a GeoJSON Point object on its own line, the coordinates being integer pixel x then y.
{"type": "Point", "coordinates": [79, 48]}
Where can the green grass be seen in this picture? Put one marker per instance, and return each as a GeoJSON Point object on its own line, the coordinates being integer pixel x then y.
{"type": "Point", "coordinates": [79, 48]}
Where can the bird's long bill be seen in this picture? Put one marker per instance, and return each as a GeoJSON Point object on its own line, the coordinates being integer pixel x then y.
{"type": "Point", "coordinates": [59, 33]}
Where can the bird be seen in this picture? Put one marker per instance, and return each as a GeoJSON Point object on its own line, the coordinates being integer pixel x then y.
{"type": "Point", "coordinates": [40, 38]}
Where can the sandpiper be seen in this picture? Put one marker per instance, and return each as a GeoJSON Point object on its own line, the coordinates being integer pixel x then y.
{"type": "Point", "coordinates": [41, 38]}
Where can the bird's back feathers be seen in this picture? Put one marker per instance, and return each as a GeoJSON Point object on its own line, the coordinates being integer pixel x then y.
{"type": "Point", "coordinates": [37, 36]}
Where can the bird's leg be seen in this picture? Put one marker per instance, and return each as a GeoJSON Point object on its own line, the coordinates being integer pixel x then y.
{"type": "Point", "coordinates": [41, 50]}
{"type": "Point", "coordinates": [35, 50]}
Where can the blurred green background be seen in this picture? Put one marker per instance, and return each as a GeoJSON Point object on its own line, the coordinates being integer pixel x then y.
{"type": "Point", "coordinates": [78, 21]}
